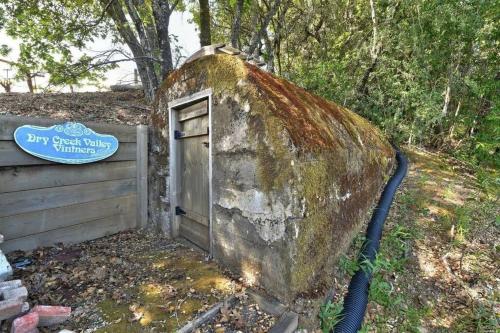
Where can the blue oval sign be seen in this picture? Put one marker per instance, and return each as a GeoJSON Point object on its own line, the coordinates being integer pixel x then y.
{"type": "Point", "coordinates": [69, 143]}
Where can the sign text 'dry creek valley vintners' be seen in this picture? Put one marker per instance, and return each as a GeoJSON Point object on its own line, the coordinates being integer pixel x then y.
{"type": "Point", "coordinates": [70, 143]}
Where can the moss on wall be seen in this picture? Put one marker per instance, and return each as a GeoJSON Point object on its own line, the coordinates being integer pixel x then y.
{"type": "Point", "coordinates": [333, 160]}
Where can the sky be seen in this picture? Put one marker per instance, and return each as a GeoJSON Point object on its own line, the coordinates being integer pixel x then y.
{"type": "Point", "coordinates": [179, 25]}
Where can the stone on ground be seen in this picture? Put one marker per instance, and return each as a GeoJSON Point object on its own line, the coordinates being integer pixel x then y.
{"type": "Point", "coordinates": [52, 315]}
{"type": "Point", "coordinates": [7, 285]}
{"type": "Point", "coordinates": [11, 308]}
{"type": "Point", "coordinates": [5, 268]}
{"type": "Point", "coordinates": [287, 324]}
{"type": "Point", "coordinates": [20, 293]}
{"type": "Point", "coordinates": [25, 324]}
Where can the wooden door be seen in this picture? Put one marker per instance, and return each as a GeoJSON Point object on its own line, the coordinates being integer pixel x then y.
{"type": "Point", "coordinates": [193, 202]}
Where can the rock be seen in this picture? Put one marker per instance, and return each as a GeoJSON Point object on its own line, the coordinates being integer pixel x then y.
{"type": "Point", "coordinates": [11, 308]}
{"type": "Point", "coordinates": [66, 331]}
{"type": "Point", "coordinates": [25, 324]}
{"type": "Point", "coordinates": [20, 293]}
{"type": "Point", "coordinates": [287, 324]}
{"type": "Point", "coordinates": [7, 285]}
{"type": "Point", "coordinates": [52, 315]}
{"type": "Point", "coordinates": [5, 268]}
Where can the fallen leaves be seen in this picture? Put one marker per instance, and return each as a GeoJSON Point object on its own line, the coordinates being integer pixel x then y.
{"type": "Point", "coordinates": [130, 278]}
{"type": "Point", "coordinates": [127, 108]}
{"type": "Point", "coordinates": [137, 314]}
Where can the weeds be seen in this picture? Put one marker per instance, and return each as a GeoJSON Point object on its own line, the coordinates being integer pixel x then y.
{"type": "Point", "coordinates": [406, 298]}
{"type": "Point", "coordinates": [330, 315]}
{"type": "Point", "coordinates": [391, 259]}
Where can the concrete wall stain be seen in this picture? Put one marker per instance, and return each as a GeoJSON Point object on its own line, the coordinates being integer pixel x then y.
{"type": "Point", "coordinates": [295, 176]}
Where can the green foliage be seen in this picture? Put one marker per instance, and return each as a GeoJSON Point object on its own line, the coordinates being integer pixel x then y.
{"type": "Point", "coordinates": [348, 266]}
{"type": "Point", "coordinates": [483, 319]}
{"type": "Point", "coordinates": [425, 48]}
{"type": "Point", "coordinates": [330, 315]}
{"type": "Point", "coordinates": [391, 260]}
{"type": "Point", "coordinates": [49, 32]}
{"type": "Point", "coordinates": [4, 50]}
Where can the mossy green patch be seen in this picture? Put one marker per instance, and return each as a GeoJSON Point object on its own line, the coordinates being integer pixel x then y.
{"type": "Point", "coordinates": [190, 285]}
{"type": "Point", "coordinates": [315, 238]}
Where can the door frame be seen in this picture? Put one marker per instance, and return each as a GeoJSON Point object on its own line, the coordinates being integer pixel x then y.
{"type": "Point", "coordinates": [174, 153]}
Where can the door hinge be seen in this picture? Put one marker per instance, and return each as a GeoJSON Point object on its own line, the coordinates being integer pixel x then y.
{"type": "Point", "coordinates": [179, 211]}
{"type": "Point", "coordinates": [205, 143]}
{"type": "Point", "coordinates": [178, 134]}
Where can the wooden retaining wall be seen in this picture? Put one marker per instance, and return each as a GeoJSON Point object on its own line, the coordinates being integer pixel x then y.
{"type": "Point", "coordinates": [42, 202]}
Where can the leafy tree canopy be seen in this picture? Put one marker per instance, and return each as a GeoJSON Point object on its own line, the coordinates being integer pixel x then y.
{"type": "Point", "coordinates": [48, 33]}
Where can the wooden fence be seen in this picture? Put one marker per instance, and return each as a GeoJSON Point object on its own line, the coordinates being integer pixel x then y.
{"type": "Point", "coordinates": [42, 203]}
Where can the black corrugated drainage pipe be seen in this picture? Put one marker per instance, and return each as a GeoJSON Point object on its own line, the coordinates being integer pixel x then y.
{"type": "Point", "coordinates": [356, 299]}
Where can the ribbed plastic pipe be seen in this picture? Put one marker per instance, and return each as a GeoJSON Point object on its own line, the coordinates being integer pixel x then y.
{"type": "Point", "coordinates": [356, 299]}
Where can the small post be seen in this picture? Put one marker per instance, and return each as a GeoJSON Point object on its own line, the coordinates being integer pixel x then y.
{"type": "Point", "coordinates": [136, 76]}
{"type": "Point", "coordinates": [142, 176]}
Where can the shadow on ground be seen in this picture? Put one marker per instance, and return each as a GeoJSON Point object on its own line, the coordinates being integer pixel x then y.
{"type": "Point", "coordinates": [128, 282]}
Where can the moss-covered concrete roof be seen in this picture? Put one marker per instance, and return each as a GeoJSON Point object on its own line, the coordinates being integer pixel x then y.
{"type": "Point", "coordinates": [312, 122]}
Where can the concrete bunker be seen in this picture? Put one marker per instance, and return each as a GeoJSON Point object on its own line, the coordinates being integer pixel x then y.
{"type": "Point", "coordinates": [272, 181]}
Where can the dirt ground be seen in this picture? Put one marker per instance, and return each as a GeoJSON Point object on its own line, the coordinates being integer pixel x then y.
{"type": "Point", "coordinates": [437, 269]}
{"type": "Point", "coordinates": [135, 282]}
{"type": "Point", "coordinates": [453, 223]}
{"type": "Point", "coordinates": [127, 108]}
{"type": "Point", "coordinates": [438, 265]}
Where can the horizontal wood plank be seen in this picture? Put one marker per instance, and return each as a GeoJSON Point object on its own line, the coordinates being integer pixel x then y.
{"type": "Point", "coordinates": [193, 111]}
{"type": "Point", "coordinates": [12, 155]}
{"type": "Point", "coordinates": [195, 233]}
{"type": "Point", "coordinates": [191, 134]}
{"type": "Point", "coordinates": [73, 234]}
{"type": "Point", "coordinates": [196, 217]}
{"type": "Point", "coordinates": [8, 125]}
{"type": "Point", "coordinates": [41, 176]}
{"type": "Point", "coordinates": [21, 225]}
{"type": "Point", "coordinates": [14, 203]}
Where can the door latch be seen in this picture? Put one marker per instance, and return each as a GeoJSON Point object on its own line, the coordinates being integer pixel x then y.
{"type": "Point", "coordinates": [179, 211]}
{"type": "Point", "coordinates": [178, 134]}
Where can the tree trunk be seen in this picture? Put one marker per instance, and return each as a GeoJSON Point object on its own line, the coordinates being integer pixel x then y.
{"type": "Point", "coordinates": [374, 51]}
{"type": "Point", "coordinates": [6, 84]}
{"type": "Point", "coordinates": [447, 97]}
{"type": "Point", "coordinates": [162, 12]}
{"type": "Point", "coordinates": [270, 53]}
{"type": "Point", "coordinates": [147, 73]}
{"type": "Point", "coordinates": [147, 38]}
{"type": "Point", "coordinates": [375, 46]}
{"type": "Point", "coordinates": [29, 81]}
{"type": "Point", "coordinates": [205, 35]}
{"type": "Point", "coordinates": [235, 29]}
{"type": "Point", "coordinates": [259, 33]}
{"type": "Point", "coordinates": [452, 128]}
